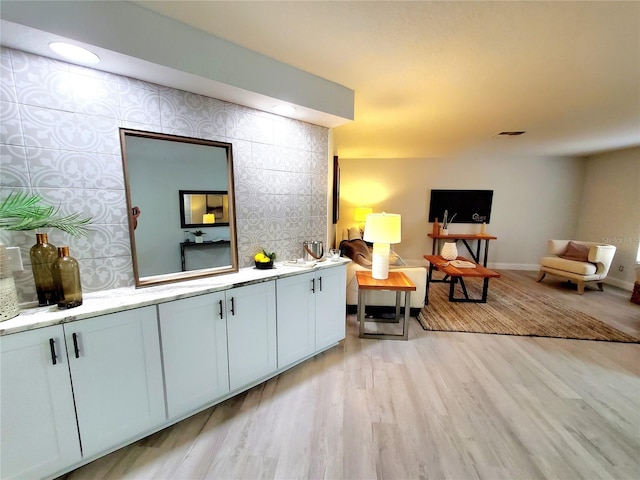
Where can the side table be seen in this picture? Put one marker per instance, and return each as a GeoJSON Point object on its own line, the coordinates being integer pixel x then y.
{"type": "Point", "coordinates": [397, 282]}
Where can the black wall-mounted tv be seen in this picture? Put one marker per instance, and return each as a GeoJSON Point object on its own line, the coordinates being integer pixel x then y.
{"type": "Point", "coordinates": [471, 206]}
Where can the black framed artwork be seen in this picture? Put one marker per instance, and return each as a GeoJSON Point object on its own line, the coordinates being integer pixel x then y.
{"type": "Point", "coordinates": [336, 189]}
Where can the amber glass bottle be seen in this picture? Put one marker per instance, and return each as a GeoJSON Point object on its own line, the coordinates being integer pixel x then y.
{"type": "Point", "coordinates": [43, 254]}
{"type": "Point", "coordinates": [66, 274]}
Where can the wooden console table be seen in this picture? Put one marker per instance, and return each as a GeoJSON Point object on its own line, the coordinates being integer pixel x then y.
{"type": "Point", "coordinates": [457, 275]}
{"type": "Point", "coordinates": [397, 282]}
{"type": "Point", "coordinates": [477, 237]}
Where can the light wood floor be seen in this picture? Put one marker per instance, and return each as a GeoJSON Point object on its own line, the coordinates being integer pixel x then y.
{"type": "Point", "coordinates": [442, 405]}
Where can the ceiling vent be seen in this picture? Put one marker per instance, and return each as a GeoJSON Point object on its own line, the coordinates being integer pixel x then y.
{"type": "Point", "coordinates": [514, 133]}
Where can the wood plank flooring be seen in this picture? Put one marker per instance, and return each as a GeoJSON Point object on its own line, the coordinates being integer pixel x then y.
{"type": "Point", "coordinates": [441, 406]}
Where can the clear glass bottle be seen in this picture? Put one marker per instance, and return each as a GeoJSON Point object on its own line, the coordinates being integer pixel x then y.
{"type": "Point", "coordinates": [66, 274]}
{"type": "Point", "coordinates": [42, 255]}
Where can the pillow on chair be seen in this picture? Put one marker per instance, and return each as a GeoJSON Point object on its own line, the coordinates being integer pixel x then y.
{"type": "Point", "coordinates": [354, 233]}
{"type": "Point", "coordinates": [577, 252]}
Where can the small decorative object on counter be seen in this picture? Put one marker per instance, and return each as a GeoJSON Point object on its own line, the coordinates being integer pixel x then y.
{"type": "Point", "coordinates": [8, 294]}
{"type": "Point", "coordinates": [66, 274]}
{"type": "Point", "coordinates": [264, 260]}
{"type": "Point", "coordinates": [43, 254]}
{"type": "Point", "coordinates": [449, 251]}
{"type": "Point", "coordinates": [436, 227]}
{"type": "Point", "coordinates": [483, 228]}
{"type": "Point", "coordinates": [312, 250]}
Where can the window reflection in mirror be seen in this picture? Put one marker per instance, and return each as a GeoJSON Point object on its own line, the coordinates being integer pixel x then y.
{"type": "Point", "coordinates": [156, 168]}
{"type": "Point", "coordinates": [204, 208]}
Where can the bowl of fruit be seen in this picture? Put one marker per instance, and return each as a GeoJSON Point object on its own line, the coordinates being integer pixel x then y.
{"type": "Point", "coordinates": [264, 260]}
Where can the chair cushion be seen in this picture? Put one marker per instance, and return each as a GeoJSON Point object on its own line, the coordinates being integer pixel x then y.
{"type": "Point", "coordinates": [573, 266]}
{"type": "Point", "coordinates": [576, 251]}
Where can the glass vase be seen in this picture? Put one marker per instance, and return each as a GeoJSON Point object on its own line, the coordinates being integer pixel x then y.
{"type": "Point", "coordinates": [42, 255]}
{"type": "Point", "coordinates": [66, 274]}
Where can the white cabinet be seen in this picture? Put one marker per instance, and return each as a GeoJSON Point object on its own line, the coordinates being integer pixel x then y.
{"type": "Point", "coordinates": [107, 386]}
{"type": "Point", "coordinates": [38, 432]}
{"type": "Point", "coordinates": [311, 313]}
{"type": "Point", "coordinates": [251, 333]}
{"type": "Point", "coordinates": [117, 377]}
{"type": "Point", "coordinates": [296, 317]}
{"type": "Point", "coordinates": [194, 350]}
{"type": "Point", "coordinates": [331, 306]}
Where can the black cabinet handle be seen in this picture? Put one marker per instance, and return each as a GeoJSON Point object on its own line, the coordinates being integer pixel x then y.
{"type": "Point", "coordinates": [313, 285]}
{"type": "Point", "coordinates": [320, 283]}
{"type": "Point", "coordinates": [52, 346]}
{"type": "Point", "coordinates": [220, 304]}
{"type": "Point", "coordinates": [75, 345]}
{"type": "Point", "coordinates": [233, 306]}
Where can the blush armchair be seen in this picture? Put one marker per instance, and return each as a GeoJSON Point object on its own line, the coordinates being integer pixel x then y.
{"type": "Point", "coordinates": [579, 262]}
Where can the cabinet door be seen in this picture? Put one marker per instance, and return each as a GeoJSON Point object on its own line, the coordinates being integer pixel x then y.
{"type": "Point", "coordinates": [38, 430]}
{"type": "Point", "coordinates": [251, 333]}
{"type": "Point", "coordinates": [194, 350]}
{"type": "Point", "coordinates": [117, 377]}
{"type": "Point", "coordinates": [296, 313]}
{"type": "Point", "coordinates": [330, 306]}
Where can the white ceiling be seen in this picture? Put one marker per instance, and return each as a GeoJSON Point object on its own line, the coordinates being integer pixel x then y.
{"type": "Point", "coordinates": [431, 78]}
{"type": "Point", "coordinates": [435, 79]}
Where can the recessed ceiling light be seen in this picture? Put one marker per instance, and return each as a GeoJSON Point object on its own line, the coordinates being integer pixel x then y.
{"type": "Point", "coordinates": [284, 109]}
{"type": "Point", "coordinates": [74, 53]}
{"type": "Point", "coordinates": [512, 133]}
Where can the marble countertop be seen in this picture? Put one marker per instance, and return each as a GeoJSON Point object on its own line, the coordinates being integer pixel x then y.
{"type": "Point", "coordinates": [117, 300]}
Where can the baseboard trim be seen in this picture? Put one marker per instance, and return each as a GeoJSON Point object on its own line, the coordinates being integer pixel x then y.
{"type": "Point", "coordinates": [513, 266]}
{"type": "Point", "coordinates": [619, 283]}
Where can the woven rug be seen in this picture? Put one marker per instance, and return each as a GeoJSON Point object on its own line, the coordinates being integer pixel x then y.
{"type": "Point", "coordinates": [512, 309]}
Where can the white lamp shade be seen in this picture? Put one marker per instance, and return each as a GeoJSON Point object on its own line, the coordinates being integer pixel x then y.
{"type": "Point", "coordinates": [382, 228]}
{"type": "Point", "coordinates": [208, 218]}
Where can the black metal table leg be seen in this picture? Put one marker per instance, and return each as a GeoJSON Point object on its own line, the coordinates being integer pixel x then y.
{"type": "Point", "coordinates": [486, 252]}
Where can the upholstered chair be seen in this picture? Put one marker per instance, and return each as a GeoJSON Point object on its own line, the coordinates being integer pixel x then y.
{"type": "Point", "coordinates": [580, 262]}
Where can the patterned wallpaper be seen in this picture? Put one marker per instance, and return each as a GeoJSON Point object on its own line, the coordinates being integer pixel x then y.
{"type": "Point", "coordinates": [59, 138]}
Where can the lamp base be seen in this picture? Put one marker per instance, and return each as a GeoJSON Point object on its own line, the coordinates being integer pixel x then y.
{"type": "Point", "coordinates": [380, 261]}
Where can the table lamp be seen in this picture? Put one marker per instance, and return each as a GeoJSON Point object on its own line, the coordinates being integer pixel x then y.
{"type": "Point", "coordinates": [382, 229]}
{"type": "Point", "coordinates": [360, 216]}
{"type": "Point", "coordinates": [208, 218]}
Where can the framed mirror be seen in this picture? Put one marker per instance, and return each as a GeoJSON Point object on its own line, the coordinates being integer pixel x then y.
{"type": "Point", "coordinates": [159, 168]}
{"type": "Point", "coordinates": [203, 208]}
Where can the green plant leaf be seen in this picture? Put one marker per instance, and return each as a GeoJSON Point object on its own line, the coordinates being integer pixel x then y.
{"type": "Point", "coordinates": [23, 211]}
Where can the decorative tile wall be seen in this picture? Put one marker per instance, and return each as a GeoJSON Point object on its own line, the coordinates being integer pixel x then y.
{"type": "Point", "coordinates": [59, 138]}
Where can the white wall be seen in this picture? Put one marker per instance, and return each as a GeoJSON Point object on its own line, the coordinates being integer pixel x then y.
{"type": "Point", "coordinates": [535, 199]}
{"type": "Point", "coordinates": [610, 209]}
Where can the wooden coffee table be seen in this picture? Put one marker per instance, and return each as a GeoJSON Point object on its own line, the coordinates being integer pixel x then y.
{"type": "Point", "coordinates": [458, 275]}
{"type": "Point", "coordinates": [397, 282]}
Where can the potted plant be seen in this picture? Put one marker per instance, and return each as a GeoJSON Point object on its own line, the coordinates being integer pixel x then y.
{"type": "Point", "coordinates": [22, 212]}
{"type": "Point", "coordinates": [198, 234]}
{"type": "Point", "coordinates": [444, 230]}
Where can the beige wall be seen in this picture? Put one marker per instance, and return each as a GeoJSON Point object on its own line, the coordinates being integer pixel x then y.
{"type": "Point", "coordinates": [534, 199]}
{"type": "Point", "coordinates": [610, 209]}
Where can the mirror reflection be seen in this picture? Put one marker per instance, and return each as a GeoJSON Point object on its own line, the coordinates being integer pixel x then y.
{"type": "Point", "coordinates": [158, 168]}
{"type": "Point", "coordinates": [204, 208]}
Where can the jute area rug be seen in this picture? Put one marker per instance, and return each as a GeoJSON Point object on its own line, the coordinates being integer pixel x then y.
{"type": "Point", "coordinates": [512, 309]}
